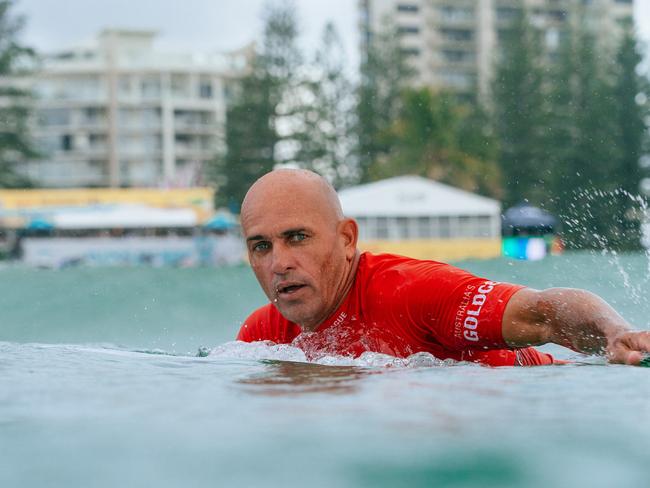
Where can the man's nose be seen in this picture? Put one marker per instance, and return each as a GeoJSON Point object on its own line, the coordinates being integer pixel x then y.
{"type": "Point", "coordinates": [282, 259]}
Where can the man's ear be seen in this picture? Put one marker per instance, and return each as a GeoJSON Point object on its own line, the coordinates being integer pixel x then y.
{"type": "Point", "coordinates": [350, 232]}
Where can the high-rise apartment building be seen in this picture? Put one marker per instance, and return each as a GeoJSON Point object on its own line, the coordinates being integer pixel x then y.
{"type": "Point", "coordinates": [453, 44]}
{"type": "Point", "coordinates": [118, 112]}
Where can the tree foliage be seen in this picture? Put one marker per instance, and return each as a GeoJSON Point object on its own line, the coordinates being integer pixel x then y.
{"type": "Point", "coordinates": [259, 101]}
{"type": "Point", "coordinates": [596, 138]}
{"type": "Point", "coordinates": [288, 112]}
{"type": "Point", "coordinates": [385, 72]}
{"type": "Point", "coordinates": [571, 130]}
{"type": "Point", "coordinates": [520, 110]}
{"type": "Point", "coordinates": [15, 102]}
{"type": "Point", "coordinates": [326, 135]}
{"type": "Point", "coordinates": [432, 137]}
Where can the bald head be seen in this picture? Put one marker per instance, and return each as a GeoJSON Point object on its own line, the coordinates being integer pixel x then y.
{"type": "Point", "coordinates": [294, 187]}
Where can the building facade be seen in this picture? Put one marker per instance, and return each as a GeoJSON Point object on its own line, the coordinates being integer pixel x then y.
{"type": "Point", "coordinates": [453, 44]}
{"type": "Point", "coordinates": [119, 113]}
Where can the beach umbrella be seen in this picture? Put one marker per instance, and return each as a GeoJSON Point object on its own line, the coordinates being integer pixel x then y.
{"type": "Point", "coordinates": [220, 222]}
{"type": "Point", "coordinates": [526, 217]}
{"type": "Point", "coordinates": [39, 224]}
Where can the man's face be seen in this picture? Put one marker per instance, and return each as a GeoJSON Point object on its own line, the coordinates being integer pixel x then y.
{"type": "Point", "coordinates": [298, 253]}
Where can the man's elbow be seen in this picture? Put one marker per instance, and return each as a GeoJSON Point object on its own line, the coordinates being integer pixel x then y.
{"type": "Point", "coordinates": [527, 320]}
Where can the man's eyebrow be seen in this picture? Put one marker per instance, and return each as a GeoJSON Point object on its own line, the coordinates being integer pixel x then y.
{"type": "Point", "coordinates": [255, 238]}
{"type": "Point", "coordinates": [286, 233]}
{"type": "Point", "coordinates": [291, 232]}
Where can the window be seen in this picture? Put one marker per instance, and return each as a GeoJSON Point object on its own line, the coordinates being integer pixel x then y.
{"type": "Point", "coordinates": [444, 227]}
{"type": "Point", "coordinates": [382, 228]}
{"type": "Point", "coordinates": [151, 117]}
{"type": "Point", "coordinates": [424, 227]}
{"type": "Point", "coordinates": [54, 116]}
{"type": "Point", "coordinates": [456, 14]}
{"type": "Point", "coordinates": [407, 7]}
{"type": "Point", "coordinates": [66, 142]}
{"type": "Point", "coordinates": [180, 86]}
{"type": "Point", "coordinates": [457, 34]}
{"type": "Point", "coordinates": [97, 163]}
{"type": "Point", "coordinates": [205, 89]}
{"type": "Point", "coordinates": [408, 29]}
{"type": "Point", "coordinates": [484, 226]}
{"type": "Point", "coordinates": [465, 226]}
{"type": "Point", "coordinates": [557, 15]}
{"type": "Point", "coordinates": [124, 86]}
{"type": "Point", "coordinates": [48, 144]}
{"type": "Point", "coordinates": [410, 51]}
{"type": "Point", "coordinates": [456, 56]}
{"type": "Point", "coordinates": [507, 13]}
{"type": "Point", "coordinates": [151, 87]}
{"type": "Point", "coordinates": [97, 142]}
{"type": "Point", "coordinates": [94, 115]}
{"type": "Point", "coordinates": [402, 226]}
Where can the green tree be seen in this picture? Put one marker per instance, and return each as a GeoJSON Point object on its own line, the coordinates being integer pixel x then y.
{"type": "Point", "coordinates": [431, 137]}
{"type": "Point", "coordinates": [631, 92]}
{"type": "Point", "coordinates": [250, 139]}
{"type": "Point", "coordinates": [15, 142]}
{"type": "Point", "coordinates": [259, 116]}
{"type": "Point", "coordinates": [326, 137]}
{"type": "Point", "coordinates": [584, 141]}
{"type": "Point", "coordinates": [519, 110]}
{"type": "Point", "coordinates": [384, 73]}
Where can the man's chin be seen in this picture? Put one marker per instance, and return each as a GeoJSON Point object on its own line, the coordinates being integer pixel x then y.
{"type": "Point", "coordinates": [297, 315]}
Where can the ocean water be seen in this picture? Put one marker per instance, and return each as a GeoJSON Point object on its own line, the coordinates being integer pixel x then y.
{"type": "Point", "coordinates": [101, 386]}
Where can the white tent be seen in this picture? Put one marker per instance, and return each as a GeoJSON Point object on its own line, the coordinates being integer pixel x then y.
{"type": "Point", "coordinates": [125, 217]}
{"type": "Point", "coordinates": [412, 207]}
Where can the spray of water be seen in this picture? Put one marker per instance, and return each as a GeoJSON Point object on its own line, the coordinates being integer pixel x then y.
{"type": "Point", "coordinates": [582, 210]}
{"type": "Point", "coordinates": [267, 350]}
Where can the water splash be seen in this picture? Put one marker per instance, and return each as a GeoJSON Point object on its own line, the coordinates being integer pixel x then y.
{"type": "Point", "coordinates": [582, 207]}
{"type": "Point", "coordinates": [267, 350]}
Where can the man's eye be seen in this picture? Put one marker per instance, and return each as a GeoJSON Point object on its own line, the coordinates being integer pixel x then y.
{"type": "Point", "coordinates": [298, 237]}
{"type": "Point", "coordinates": [261, 246]}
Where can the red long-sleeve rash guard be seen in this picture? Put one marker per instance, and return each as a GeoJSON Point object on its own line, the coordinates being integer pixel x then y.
{"type": "Point", "coordinates": [400, 306]}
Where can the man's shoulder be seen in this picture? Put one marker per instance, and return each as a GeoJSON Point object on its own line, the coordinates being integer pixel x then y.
{"type": "Point", "coordinates": [388, 264]}
{"type": "Point", "coordinates": [266, 324]}
{"type": "Point", "coordinates": [263, 313]}
{"type": "Point", "coordinates": [257, 321]}
{"type": "Point", "coordinates": [395, 279]}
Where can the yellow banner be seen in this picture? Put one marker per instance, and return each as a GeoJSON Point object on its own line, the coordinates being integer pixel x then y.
{"type": "Point", "coordinates": [438, 249]}
{"type": "Point", "coordinates": [201, 200]}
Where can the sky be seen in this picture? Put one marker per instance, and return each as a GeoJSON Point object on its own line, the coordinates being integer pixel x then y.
{"type": "Point", "coordinates": [200, 25]}
{"type": "Point", "coordinates": [184, 25]}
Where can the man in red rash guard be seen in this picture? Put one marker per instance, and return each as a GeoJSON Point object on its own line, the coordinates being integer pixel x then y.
{"type": "Point", "coordinates": [329, 299]}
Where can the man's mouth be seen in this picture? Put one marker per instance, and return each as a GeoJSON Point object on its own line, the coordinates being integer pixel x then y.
{"type": "Point", "coordinates": [288, 289]}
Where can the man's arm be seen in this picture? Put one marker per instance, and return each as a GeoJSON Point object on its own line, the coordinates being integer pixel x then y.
{"type": "Point", "coordinates": [576, 319]}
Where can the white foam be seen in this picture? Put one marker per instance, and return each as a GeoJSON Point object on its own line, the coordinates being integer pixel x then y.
{"type": "Point", "coordinates": [258, 350]}
{"type": "Point", "coordinates": [284, 352]}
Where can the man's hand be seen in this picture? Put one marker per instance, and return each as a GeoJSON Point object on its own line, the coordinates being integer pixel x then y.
{"type": "Point", "coordinates": [576, 319]}
{"type": "Point", "coordinates": [629, 348]}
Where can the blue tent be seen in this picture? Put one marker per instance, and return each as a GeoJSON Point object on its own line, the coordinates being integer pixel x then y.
{"type": "Point", "coordinates": [39, 224]}
{"type": "Point", "coordinates": [221, 222]}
